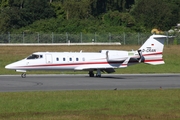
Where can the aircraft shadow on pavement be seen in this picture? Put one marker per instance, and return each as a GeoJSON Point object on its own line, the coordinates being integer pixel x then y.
{"type": "Point", "coordinates": [109, 77]}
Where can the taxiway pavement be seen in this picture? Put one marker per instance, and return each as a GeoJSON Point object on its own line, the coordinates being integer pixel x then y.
{"type": "Point", "coordinates": [14, 83]}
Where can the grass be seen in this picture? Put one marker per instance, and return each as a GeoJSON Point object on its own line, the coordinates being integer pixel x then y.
{"type": "Point", "coordinates": [12, 54]}
{"type": "Point", "coordinates": [81, 105]}
{"type": "Point", "coordinates": [157, 104]}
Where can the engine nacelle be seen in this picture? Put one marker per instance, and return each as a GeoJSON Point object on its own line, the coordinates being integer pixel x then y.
{"type": "Point", "coordinates": [115, 55]}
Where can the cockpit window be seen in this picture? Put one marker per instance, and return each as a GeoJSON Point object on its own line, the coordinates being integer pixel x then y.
{"type": "Point", "coordinates": [33, 56]}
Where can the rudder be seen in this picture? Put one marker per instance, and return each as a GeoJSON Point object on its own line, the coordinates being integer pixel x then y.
{"type": "Point", "coordinates": [152, 49]}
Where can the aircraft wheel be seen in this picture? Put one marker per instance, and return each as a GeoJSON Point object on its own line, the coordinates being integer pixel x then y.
{"type": "Point", "coordinates": [91, 74]}
{"type": "Point", "coordinates": [98, 75]}
{"type": "Point", "coordinates": [23, 75]}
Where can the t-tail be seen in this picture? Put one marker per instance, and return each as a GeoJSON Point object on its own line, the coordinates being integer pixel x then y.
{"type": "Point", "coordinates": [152, 50]}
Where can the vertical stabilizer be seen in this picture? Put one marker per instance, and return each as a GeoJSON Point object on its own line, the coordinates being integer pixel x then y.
{"type": "Point", "coordinates": [152, 49]}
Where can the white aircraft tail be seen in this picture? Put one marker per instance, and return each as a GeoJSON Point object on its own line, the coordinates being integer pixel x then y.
{"type": "Point", "coordinates": [152, 50]}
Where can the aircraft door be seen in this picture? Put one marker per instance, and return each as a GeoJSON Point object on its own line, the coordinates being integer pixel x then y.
{"type": "Point", "coordinates": [49, 58]}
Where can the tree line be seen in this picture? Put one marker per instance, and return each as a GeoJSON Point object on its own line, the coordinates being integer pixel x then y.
{"type": "Point", "coordinates": [87, 16]}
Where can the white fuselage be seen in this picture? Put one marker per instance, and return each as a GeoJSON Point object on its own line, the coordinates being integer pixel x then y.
{"type": "Point", "coordinates": [72, 60]}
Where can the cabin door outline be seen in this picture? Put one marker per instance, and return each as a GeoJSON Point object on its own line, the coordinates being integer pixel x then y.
{"type": "Point", "coordinates": [49, 58]}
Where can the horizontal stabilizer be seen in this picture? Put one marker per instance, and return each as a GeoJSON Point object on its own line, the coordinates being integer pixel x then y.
{"type": "Point", "coordinates": [155, 62]}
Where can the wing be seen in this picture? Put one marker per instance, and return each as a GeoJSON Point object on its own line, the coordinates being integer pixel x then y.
{"type": "Point", "coordinates": [95, 67]}
{"type": "Point", "coordinates": [109, 69]}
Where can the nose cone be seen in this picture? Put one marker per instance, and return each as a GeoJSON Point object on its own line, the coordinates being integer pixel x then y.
{"type": "Point", "coordinates": [15, 65]}
{"type": "Point", "coordinates": [9, 66]}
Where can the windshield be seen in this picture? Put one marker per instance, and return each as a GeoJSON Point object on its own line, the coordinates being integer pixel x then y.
{"type": "Point", "coordinates": [34, 56]}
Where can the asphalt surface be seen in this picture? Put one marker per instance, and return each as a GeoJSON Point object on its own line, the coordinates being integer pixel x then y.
{"type": "Point", "coordinates": [14, 83]}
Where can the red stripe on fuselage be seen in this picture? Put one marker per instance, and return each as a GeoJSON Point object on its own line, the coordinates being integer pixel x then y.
{"type": "Point", "coordinates": [158, 53]}
{"type": "Point", "coordinates": [75, 64]}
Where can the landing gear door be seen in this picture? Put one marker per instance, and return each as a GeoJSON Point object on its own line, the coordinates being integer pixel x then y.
{"type": "Point", "coordinates": [49, 58]}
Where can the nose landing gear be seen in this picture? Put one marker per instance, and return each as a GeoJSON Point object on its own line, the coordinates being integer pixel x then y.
{"type": "Point", "coordinates": [23, 75]}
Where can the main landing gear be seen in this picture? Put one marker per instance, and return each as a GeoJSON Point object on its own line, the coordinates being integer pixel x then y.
{"type": "Point", "coordinates": [91, 74]}
{"type": "Point", "coordinates": [98, 74]}
{"type": "Point", "coordinates": [23, 75]}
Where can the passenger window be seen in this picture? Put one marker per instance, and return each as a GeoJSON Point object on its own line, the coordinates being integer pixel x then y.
{"type": "Point", "coordinates": [83, 59]}
{"type": "Point", "coordinates": [77, 59]}
{"type": "Point", "coordinates": [57, 59]}
{"type": "Point", "coordinates": [70, 59]}
{"type": "Point", "coordinates": [64, 59]}
{"type": "Point", "coordinates": [41, 56]}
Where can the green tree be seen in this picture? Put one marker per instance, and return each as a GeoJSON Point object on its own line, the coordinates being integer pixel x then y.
{"type": "Point", "coordinates": [59, 10]}
{"type": "Point", "coordinates": [18, 13]}
{"type": "Point", "coordinates": [77, 9]}
{"type": "Point", "coordinates": [38, 9]}
{"type": "Point", "coordinates": [155, 14]}
{"type": "Point", "coordinates": [118, 19]}
{"type": "Point", "coordinates": [99, 7]}
{"type": "Point", "coordinates": [10, 19]}
{"type": "Point", "coordinates": [4, 3]}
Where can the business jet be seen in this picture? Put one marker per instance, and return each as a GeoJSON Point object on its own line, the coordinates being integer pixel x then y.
{"type": "Point", "coordinates": [104, 61]}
